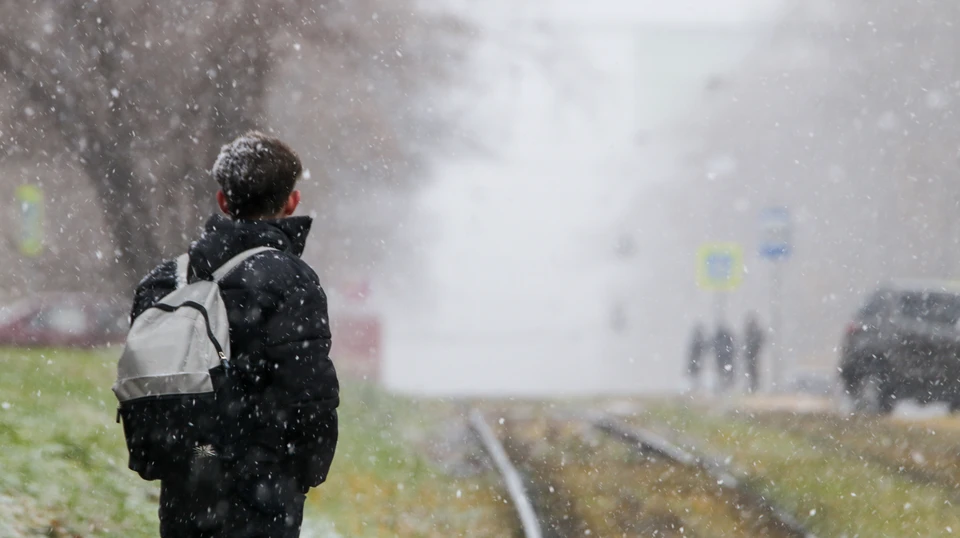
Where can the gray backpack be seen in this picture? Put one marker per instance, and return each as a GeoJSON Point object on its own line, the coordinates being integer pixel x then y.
{"type": "Point", "coordinates": [176, 360]}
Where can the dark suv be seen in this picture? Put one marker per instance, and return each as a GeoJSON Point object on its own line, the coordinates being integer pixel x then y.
{"type": "Point", "coordinates": [904, 342]}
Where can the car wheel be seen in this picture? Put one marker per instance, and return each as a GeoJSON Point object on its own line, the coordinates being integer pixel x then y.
{"type": "Point", "coordinates": [874, 395]}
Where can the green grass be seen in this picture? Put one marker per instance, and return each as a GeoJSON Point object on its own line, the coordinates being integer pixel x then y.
{"type": "Point", "coordinates": [832, 492]}
{"type": "Point", "coordinates": [63, 462]}
{"type": "Point", "coordinates": [915, 447]}
{"type": "Point", "coordinates": [62, 458]}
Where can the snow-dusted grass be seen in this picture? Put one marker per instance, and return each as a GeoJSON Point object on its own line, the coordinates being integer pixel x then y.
{"type": "Point", "coordinates": [63, 462]}
{"type": "Point", "coordinates": [835, 493]}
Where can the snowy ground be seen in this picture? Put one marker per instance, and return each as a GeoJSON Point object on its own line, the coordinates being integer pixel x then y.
{"type": "Point", "coordinates": [399, 473]}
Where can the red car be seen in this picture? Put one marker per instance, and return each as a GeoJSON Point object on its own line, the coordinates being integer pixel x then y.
{"type": "Point", "coordinates": [64, 320]}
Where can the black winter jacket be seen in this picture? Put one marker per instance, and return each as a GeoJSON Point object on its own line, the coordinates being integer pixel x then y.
{"type": "Point", "coordinates": [284, 416]}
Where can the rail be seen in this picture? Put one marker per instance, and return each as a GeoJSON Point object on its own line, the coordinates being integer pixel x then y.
{"type": "Point", "coordinates": [511, 477]}
{"type": "Point", "coordinates": [648, 441]}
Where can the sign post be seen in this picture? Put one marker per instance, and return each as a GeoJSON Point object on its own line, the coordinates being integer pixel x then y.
{"type": "Point", "coordinates": [776, 241]}
{"type": "Point", "coordinates": [720, 270]}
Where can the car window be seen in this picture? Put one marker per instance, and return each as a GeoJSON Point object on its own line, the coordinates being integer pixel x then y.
{"type": "Point", "coordinates": [65, 319]}
{"type": "Point", "coordinates": [873, 306]}
{"type": "Point", "coordinates": [15, 311]}
{"type": "Point", "coordinates": [9, 313]}
{"type": "Point", "coordinates": [931, 307]}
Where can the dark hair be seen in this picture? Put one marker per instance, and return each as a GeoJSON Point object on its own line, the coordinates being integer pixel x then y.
{"type": "Point", "coordinates": [256, 173]}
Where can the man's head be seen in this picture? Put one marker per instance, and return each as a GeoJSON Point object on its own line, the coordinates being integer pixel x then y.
{"type": "Point", "coordinates": [257, 175]}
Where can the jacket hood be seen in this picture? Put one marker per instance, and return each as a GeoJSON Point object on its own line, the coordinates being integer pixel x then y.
{"type": "Point", "coordinates": [224, 238]}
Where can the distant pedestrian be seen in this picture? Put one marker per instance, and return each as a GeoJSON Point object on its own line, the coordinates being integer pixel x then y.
{"type": "Point", "coordinates": [698, 347]}
{"type": "Point", "coordinates": [725, 351]}
{"type": "Point", "coordinates": [753, 339]}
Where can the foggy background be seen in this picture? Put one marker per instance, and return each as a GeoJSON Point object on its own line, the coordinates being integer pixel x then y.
{"type": "Point", "coordinates": [520, 188]}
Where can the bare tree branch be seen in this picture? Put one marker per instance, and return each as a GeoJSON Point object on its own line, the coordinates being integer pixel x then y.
{"type": "Point", "coordinates": [142, 96]}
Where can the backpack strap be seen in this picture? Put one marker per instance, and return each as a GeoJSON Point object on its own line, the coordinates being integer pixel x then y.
{"type": "Point", "coordinates": [183, 264]}
{"type": "Point", "coordinates": [235, 261]}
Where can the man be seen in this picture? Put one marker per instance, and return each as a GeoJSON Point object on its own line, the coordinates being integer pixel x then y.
{"type": "Point", "coordinates": [723, 346]}
{"type": "Point", "coordinates": [280, 429]}
{"type": "Point", "coordinates": [753, 343]}
{"type": "Point", "coordinates": [698, 346]}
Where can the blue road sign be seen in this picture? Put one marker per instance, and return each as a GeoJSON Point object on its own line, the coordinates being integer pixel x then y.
{"type": "Point", "coordinates": [775, 233]}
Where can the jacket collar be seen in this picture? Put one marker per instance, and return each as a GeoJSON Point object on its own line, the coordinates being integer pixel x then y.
{"type": "Point", "coordinates": [224, 238]}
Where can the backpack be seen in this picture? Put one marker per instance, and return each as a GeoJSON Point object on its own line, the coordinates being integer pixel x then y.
{"type": "Point", "coordinates": [174, 372]}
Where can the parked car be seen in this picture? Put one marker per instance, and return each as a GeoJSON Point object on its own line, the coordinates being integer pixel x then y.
{"type": "Point", "coordinates": [63, 320]}
{"type": "Point", "coordinates": [904, 342]}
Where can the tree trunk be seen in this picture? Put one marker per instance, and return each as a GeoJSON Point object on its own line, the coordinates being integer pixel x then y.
{"type": "Point", "coordinates": [137, 250]}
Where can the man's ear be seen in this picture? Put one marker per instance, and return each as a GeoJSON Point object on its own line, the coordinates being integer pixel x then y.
{"type": "Point", "coordinates": [222, 202]}
{"type": "Point", "coordinates": [292, 202]}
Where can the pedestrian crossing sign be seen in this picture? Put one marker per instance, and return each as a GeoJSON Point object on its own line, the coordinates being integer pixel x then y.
{"type": "Point", "coordinates": [720, 266]}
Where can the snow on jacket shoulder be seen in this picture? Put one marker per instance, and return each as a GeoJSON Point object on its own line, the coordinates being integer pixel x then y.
{"type": "Point", "coordinates": [280, 340]}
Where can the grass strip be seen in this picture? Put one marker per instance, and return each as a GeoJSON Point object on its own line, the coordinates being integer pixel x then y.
{"type": "Point", "coordinates": [832, 493]}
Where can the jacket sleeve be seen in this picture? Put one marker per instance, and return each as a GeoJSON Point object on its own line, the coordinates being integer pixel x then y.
{"type": "Point", "coordinates": [304, 385]}
{"type": "Point", "coordinates": [160, 282]}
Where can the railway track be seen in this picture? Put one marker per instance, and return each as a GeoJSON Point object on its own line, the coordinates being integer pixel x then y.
{"type": "Point", "coordinates": [512, 479]}
{"type": "Point", "coordinates": [767, 518]}
{"type": "Point", "coordinates": [596, 476]}
{"type": "Point", "coordinates": [542, 504]}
